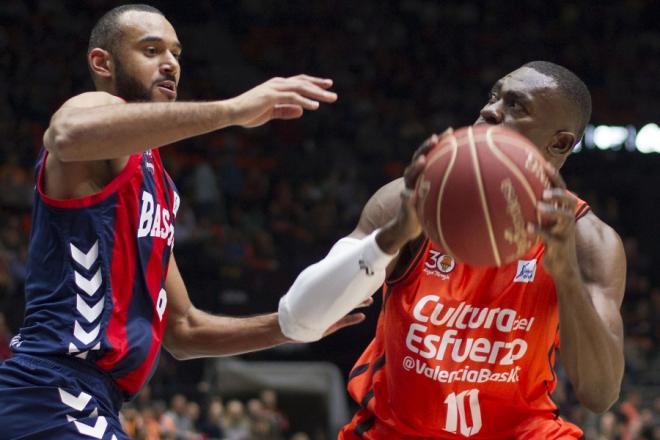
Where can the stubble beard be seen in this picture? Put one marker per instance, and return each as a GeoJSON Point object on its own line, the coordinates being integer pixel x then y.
{"type": "Point", "coordinates": [128, 87]}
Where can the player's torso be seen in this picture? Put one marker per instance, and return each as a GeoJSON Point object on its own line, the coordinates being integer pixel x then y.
{"type": "Point", "coordinates": [96, 273]}
{"type": "Point", "coordinates": [467, 351]}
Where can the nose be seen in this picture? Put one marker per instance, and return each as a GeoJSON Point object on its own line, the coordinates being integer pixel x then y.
{"type": "Point", "coordinates": [169, 65]}
{"type": "Point", "coordinates": [491, 113]}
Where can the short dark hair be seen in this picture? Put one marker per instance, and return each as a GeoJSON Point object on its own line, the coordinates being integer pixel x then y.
{"type": "Point", "coordinates": [575, 91]}
{"type": "Point", "coordinates": [106, 33]}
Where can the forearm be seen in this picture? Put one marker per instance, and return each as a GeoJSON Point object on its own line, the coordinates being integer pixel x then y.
{"type": "Point", "coordinates": [590, 352]}
{"type": "Point", "coordinates": [326, 291]}
{"type": "Point", "coordinates": [113, 131]}
{"type": "Point", "coordinates": [201, 334]}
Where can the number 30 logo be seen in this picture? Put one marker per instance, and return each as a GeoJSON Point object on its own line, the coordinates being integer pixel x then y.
{"type": "Point", "coordinates": [456, 412]}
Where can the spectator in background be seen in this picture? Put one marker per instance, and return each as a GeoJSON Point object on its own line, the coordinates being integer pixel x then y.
{"type": "Point", "coordinates": [151, 426]}
{"type": "Point", "coordinates": [179, 416]}
{"type": "Point", "coordinates": [212, 426]}
{"type": "Point", "coordinates": [193, 415]}
{"type": "Point", "coordinates": [236, 422]}
{"type": "Point", "coordinates": [277, 419]}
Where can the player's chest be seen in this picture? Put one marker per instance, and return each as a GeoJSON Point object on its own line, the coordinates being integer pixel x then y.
{"type": "Point", "coordinates": [445, 295]}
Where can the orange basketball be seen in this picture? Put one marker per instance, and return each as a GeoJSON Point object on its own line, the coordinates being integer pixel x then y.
{"type": "Point", "coordinates": [477, 193]}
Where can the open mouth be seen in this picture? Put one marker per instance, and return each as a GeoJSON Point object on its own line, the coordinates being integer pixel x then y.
{"type": "Point", "coordinates": [168, 88]}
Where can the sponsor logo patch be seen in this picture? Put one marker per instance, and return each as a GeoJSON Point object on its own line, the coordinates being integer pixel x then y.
{"type": "Point", "coordinates": [439, 264]}
{"type": "Point", "coordinates": [525, 272]}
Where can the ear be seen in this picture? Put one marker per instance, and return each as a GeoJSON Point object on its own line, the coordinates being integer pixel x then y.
{"type": "Point", "coordinates": [100, 62]}
{"type": "Point", "coordinates": [561, 143]}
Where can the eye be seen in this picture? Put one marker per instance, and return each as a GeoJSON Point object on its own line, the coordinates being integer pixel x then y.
{"type": "Point", "coordinates": [150, 51]}
{"type": "Point", "coordinates": [492, 97]}
{"type": "Point", "coordinates": [514, 104]}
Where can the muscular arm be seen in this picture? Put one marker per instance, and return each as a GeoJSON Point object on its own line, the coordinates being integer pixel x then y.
{"type": "Point", "coordinates": [98, 126]}
{"type": "Point", "coordinates": [92, 135]}
{"type": "Point", "coordinates": [590, 326]}
{"type": "Point", "coordinates": [192, 333]}
{"type": "Point", "coordinates": [358, 264]}
{"type": "Point", "coordinates": [93, 126]}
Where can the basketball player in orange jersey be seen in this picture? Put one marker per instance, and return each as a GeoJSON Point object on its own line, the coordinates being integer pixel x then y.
{"type": "Point", "coordinates": [468, 352]}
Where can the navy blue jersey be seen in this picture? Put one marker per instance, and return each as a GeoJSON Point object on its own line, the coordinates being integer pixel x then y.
{"type": "Point", "coordinates": [95, 286]}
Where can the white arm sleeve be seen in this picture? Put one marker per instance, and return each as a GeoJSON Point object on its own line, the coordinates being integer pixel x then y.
{"type": "Point", "coordinates": [326, 291]}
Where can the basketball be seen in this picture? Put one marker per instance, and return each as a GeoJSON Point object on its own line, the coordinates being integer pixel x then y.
{"type": "Point", "coordinates": [478, 191]}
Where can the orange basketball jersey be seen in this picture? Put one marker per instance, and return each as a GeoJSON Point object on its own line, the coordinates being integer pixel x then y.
{"type": "Point", "coordinates": [462, 352]}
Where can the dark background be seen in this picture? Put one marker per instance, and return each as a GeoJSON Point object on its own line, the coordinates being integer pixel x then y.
{"type": "Point", "coordinates": [259, 205]}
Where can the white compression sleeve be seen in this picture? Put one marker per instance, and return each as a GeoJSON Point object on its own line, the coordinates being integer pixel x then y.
{"type": "Point", "coordinates": [326, 291]}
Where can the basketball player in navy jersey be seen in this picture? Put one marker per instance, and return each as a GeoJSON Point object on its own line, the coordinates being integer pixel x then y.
{"type": "Point", "coordinates": [103, 289]}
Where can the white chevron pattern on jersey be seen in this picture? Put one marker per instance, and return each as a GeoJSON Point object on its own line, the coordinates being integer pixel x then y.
{"type": "Point", "coordinates": [85, 259]}
{"type": "Point", "coordinates": [82, 355]}
{"type": "Point", "coordinates": [89, 286]}
{"type": "Point", "coordinates": [91, 415]}
{"type": "Point", "coordinates": [95, 431]}
{"type": "Point", "coordinates": [83, 336]}
{"type": "Point", "coordinates": [89, 313]}
{"type": "Point", "coordinates": [78, 403]}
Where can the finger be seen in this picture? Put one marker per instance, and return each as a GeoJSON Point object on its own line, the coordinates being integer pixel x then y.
{"type": "Point", "coordinates": [560, 198]}
{"type": "Point", "coordinates": [287, 111]}
{"type": "Point", "coordinates": [543, 234]}
{"type": "Point", "coordinates": [321, 82]}
{"type": "Point", "coordinates": [307, 89]}
{"type": "Point", "coordinates": [555, 221]}
{"type": "Point", "coordinates": [425, 147]}
{"type": "Point", "coordinates": [348, 320]}
{"type": "Point", "coordinates": [555, 178]}
{"type": "Point", "coordinates": [552, 210]}
{"type": "Point", "coordinates": [292, 98]}
{"type": "Point", "coordinates": [413, 171]}
{"type": "Point", "coordinates": [366, 303]}
{"type": "Point", "coordinates": [448, 132]}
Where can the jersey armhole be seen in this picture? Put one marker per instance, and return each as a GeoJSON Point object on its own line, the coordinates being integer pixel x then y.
{"type": "Point", "coordinates": [92, 199]}
{"type": "Point", "coordinates": [582, 211]}
{"type": "Point", "coordinates": [418, 250]}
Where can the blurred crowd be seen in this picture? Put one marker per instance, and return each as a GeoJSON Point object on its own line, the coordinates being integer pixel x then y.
{"type": "Point", "coordinates": [207, 418]}
{"type": "Point", "coordinates": [260, 205]}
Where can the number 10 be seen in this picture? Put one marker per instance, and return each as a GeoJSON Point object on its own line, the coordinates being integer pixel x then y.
{"type": "Point", "coordinates": [456, 411]}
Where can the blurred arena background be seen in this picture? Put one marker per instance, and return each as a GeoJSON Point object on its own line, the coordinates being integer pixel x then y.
{"type": "Point", "coordinates": [259, 205]}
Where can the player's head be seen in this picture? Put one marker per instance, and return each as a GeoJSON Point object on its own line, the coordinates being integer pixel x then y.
{"type": "Point", "coordinates": [134, 53]}
{"type": "Point", "coordinates": [545, 102]}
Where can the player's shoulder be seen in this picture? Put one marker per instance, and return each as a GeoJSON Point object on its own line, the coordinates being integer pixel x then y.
{"type": "Point", "coordinates": [92, 99]}
{"type": "Point", "coordinates": [599, 248]}
{"type": "Point", "coordinates": [590, 229]}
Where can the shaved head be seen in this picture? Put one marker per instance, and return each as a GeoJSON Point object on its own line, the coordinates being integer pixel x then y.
{"type": "Point", "coordinates": [107, 32]}
{"type": "Point", "coordinates": [573, 90]}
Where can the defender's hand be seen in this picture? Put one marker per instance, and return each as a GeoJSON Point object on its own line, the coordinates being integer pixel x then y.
{"type": "Point", "coordinates": [280, 98]}
{"type": "Point", "coordinates": [557, 228]}
{"type": "Point", "coordinates": [350, 319]}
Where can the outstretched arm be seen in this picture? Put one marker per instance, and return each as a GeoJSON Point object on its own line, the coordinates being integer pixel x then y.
{"type": "Point", "coordinates": [587, 262]}
{"type": "Point", "coordinates": [357, 265]}
{"type": "Point", "coordinates": [192, 333]}
{"type": "Point", "coordinates": [100, 126]}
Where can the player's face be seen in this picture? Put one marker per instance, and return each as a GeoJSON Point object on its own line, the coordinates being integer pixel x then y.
{"type": "Point", "coordinates": [528, 102]}
{"type": "Point", "coordinates": [147, 62]}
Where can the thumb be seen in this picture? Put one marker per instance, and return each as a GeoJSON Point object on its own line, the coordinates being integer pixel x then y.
{"type": "Point", "coordinates": [287, 111]}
